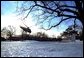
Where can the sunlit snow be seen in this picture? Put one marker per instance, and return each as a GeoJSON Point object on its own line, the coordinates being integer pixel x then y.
{"type": "Point", "coordinates": [41, 49]}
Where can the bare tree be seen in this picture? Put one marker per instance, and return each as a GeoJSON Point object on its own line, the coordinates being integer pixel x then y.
{"type": "Point", "coordinates": [8, 31]}
{"type": "Point", "coordinates": [47, 11]}
{"type": "Point", "coordinates": [70, 31]}
{"type": "Point", "coordinates": [3, 32]}
{"type": "Point", "coordinates": [40, 34]}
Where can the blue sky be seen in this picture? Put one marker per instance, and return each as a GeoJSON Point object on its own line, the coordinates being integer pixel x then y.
{"type": "Point", "coordinates": [8, 9]}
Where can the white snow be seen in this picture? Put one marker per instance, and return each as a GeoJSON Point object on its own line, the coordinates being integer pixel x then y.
{"type": "Point", "coordinates": [41, 49]}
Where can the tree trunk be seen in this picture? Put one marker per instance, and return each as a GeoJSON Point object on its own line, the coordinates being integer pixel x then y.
{"type": "Point", "coordinates": [81, 38]}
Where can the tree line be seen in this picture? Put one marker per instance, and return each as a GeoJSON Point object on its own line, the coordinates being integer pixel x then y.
{"type": "Point", "coordinates": [10, 32]}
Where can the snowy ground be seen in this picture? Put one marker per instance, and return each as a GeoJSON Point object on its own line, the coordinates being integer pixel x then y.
{"type": "Point", "coordinates": [41, 49]}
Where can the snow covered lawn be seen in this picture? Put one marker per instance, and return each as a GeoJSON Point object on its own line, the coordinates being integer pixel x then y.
{"type": "Point", "coordinates": [41, 49]}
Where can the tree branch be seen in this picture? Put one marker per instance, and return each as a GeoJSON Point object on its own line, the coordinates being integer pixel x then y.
{"type": "Point", "coordinates": [56, 24]}
{"type": "Point", "coordinates": [46, 8]}
{"type": "Point", "coordinates": [69, 10]}
{"type": "Point", "coordinates": [59, 10]}
{"type": "Point", "coordinates": [28, 12]}
{"type": "Point", "coordinates": [67, 6]}
{"type": "Point", "coordinates": [68, 16]}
